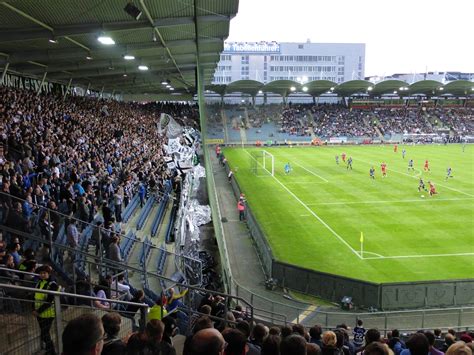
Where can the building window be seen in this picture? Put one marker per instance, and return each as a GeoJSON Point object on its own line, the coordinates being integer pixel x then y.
{"type": "Point", "coordinates": [245, 59]}
{"type": "Point", "coordinates": [300, 46]}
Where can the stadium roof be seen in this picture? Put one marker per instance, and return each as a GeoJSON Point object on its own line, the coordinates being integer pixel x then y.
{"type": "Point", "coordinates": [348, 88]}
{"type": "Point", "coordinates": [60, 37]}
{"type": "Point", "coordinates": [459, 88]}
{"type": "Point", "coordinates": [389, 87]}
{"type": "Point", "coordinates": [426, 87]}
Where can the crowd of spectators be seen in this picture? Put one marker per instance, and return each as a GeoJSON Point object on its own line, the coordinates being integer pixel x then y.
{"type": "Point", "coordinates": [459, 120]}
{"type": "Point", "coordinates": [237, 337]}
{"type": "Point", "coordinates": [78, 157]}
{"type": "Point", "coordinates": [331, 120]}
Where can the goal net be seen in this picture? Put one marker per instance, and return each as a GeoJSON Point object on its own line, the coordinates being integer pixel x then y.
{"type": "Point", "coordinates": [262, 163]}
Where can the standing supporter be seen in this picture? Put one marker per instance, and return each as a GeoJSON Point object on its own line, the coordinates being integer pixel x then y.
{"type": "Point", "coordinates": [113, 345]}
{"type": "Point", "coordinates": [359, 333]}
{"type": "Point", "coordinates": [83, 335]}
{"type": "Point", "coordinates": [44, 306]}
{"type": "Point", "coordinates": [150, 341]}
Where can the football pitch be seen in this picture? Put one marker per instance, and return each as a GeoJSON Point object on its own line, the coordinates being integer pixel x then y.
{"type": "Point", "coordinates": [313, 216]}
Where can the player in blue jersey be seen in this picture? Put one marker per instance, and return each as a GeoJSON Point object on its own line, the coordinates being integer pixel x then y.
{"type": "Point", "coordinates": [448, 173]}
{"type": "Point", "coordinates": [421, 185]}
{"type": "Point", "coordinates": [410, 165]}
{"type": "Point", "coordinates": [337, 159]}
{"type": "Point", "coordinates": [372, 173]}
{"type": "Point", "coordinates": [349, 163]}
{"type": "Point", "coordinates": [287, 168]}
{"type": "Point", "coordinates": [404, 152]}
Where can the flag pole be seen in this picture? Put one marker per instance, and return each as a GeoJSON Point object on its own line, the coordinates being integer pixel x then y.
{"type": "Point", "coordinates": [361, 245]}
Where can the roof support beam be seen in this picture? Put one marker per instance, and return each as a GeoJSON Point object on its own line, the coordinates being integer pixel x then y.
{"type": "Point", "coordinates": [160, 36]}
{"type": "Point", "coordinates": [153, 62]}
{"type": "Point", "coordinates": [42, 24]}
{"type": "Point", "coordinates": [92, 28]}
{"type": "Point", "coordinates": [78, 54]}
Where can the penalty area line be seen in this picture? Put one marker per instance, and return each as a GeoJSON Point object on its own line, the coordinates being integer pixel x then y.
{"type": "Point", "coordinates": [418, 256]}
{"type": "Point", "coordinates": [312, 213]}
{"type": "Point", "coordinates": [311, 172]}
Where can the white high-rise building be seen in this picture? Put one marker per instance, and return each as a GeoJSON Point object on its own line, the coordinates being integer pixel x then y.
{"type": "Point", "coordinates": [302, 62]}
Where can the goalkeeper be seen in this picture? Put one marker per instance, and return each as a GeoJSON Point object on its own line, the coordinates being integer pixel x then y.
{"type": "Point", "coordinates": [287, 168]}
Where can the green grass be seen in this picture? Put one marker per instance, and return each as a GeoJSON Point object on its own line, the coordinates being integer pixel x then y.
{"type": "Point", "coordinates": [313, 217]}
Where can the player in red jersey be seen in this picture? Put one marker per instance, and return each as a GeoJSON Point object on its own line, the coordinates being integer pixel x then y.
{"type": "Point", "coordinates": [395, 148]}
{"type": "Point", "coordinates": [432, 188]}
{"type": "Point", "coordinates": [343, 156]}
{"type": "Point", "coordinates": [427, 166]}
{"type": "Point", "coordinates": [384, 169]}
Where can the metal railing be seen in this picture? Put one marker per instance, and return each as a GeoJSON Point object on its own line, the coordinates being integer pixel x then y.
{"type": "Point", "coordinates": [280, 313]}
{"type": "Point", "coordinates": [108, 266]}
{"type": "Point", "coordinates": [21, 331]}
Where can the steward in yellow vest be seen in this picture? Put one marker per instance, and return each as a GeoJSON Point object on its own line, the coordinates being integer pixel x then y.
{"type": "Point", "coordinates": [44, 306]}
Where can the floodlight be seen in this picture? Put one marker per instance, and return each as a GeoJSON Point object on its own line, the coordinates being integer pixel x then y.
{"type": "Point", "coordinates": [370, 88]}
{"type": "Point", "coordinates": [332, 89]}
{"type": "Point", "coordinates": [441, 89]}
{"type": "Point", "coordinates": [133, 11]}
{"type": "Point", "coordinates": [89, 57]}
{"type": "Point", "coordinates": [53, 40]}
{"type": "Point", "coordinates": [128, 57]}
{"type": "Point", "coordinates": [395, 91]}
{"type": "Point", "coordinates": [260, 91]}
{"type": "Point", "coordinates": [292, 88]}
{"type": "Point", "coordinates": [108, 41]}
{"type": "Point", "coordinates": [171, 89]}
{"type": "Point", "coordinates": [142, 67]}
{"type": "Point", "coordinates": [305, 88]}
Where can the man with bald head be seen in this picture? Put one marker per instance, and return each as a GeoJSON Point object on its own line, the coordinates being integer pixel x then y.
{"type": "Point", "coordinates": [208, 342]}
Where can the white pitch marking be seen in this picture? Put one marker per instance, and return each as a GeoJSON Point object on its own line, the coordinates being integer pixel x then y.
{"type": "Point", "coordinates": [312, 212]}
{"type": "Point", "coordinates": [369, 252]}
{"type": "Point", "coordinates": [311, 172]}
{"type": "Point", "coordinates": [416, 177]}
{"type": "Point", "coordinates": [419, 256]}
{"type": "Point", "coordinates": [388, 201]}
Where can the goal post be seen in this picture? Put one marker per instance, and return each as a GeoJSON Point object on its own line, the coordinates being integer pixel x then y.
{"type": "Point", "coordinates": [262, 163]}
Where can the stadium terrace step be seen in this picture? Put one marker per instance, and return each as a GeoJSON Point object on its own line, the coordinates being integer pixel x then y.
{"type": "Point", "coordinates": [145, 212]}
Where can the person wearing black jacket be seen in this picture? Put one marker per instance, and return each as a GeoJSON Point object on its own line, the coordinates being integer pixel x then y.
{"type": "Point", "coordinates": [44, 306]}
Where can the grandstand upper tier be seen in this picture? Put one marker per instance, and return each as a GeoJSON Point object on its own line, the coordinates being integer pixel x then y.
{"type": "Point", "coordinates": [358, 122]}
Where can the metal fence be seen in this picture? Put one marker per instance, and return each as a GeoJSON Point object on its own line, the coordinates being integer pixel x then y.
{"type": "Point", "coordinates": [21, 330]}
{"type": "Point", "coordinates": [461, 317]}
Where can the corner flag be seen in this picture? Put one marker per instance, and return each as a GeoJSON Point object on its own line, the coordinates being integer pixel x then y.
{"type": "Point", "coordinates": [361, 237]}
{"type": "Point", "coordinates": [361, 245]}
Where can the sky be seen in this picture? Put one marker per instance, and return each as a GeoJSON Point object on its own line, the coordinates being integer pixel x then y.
{"type": "Point", "coordinates": [403, 36]}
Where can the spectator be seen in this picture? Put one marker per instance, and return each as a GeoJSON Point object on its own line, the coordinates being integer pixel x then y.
{"type": "Point", "coordinates": [83, 335]}
{"type": "Point", "coordinates": [329, 343]}
{"type": "Point", "coordinates": [114, 252]}
{"type": "Point", "coordinates": [359, 333]}
{"type": "Point", "coordinates": [293, 345]}
{"type": "Point", "coordinates": [44, 306]}
{"type": "Point", "coordinates": [417, 344]}
{"type": "Point", "coordinates": [315, 335]}
{"type": "Point", "coordinates": [431, 340]}
{"type": "Point", "coordinates": [149, 341]}
{"type": "Point", "coordinates": [208, 342]}
{"type": "Point", "coordinates": [313, 349]}
{"type": "Point", "coordinates": [113, 345]}
{"type": "Point", "coordinates": [271, 345]}
{"type": "Point", "coordinates": [376, 348]}
{"type": "Point", "coordinates": [459, 348]}
{"type": "Point", "coordinates": [395, 343]}
{"type": "Point", "coordinates": [236, 342]}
